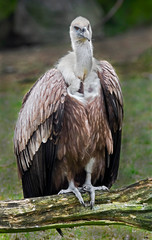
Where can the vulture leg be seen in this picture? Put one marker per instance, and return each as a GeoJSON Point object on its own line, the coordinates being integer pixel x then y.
{"type": "Point", "coordinates": [74, 190]}
{"type": "Point", "coordinates": [88, 187]}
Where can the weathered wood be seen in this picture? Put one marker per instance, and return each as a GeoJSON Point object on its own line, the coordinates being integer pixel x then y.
{"type": "Point", "coordinates": [130, 206]}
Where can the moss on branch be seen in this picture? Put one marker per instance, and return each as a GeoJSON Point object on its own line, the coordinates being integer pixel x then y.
{"type": "Point", "coordinates": [130, 206]}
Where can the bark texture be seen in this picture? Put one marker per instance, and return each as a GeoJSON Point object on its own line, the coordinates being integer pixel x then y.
{"type": "Point", "coordinates": [130, 206]}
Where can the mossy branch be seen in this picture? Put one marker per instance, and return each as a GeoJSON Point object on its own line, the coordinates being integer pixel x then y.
{"type": "Point", "coordinates": [130, 206]}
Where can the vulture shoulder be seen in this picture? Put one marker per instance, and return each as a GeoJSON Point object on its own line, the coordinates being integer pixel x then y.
{"type": "Point", "coordinates": [111, 91]}
{"type": "Point", "coordinates": [40, 118]}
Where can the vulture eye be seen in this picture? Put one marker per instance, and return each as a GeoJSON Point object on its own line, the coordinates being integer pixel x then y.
{"type": "Point", "coordinates": [76, 28]}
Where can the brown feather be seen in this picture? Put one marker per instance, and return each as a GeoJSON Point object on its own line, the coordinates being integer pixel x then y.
{"type": "Point", "coordinates": [113, 102]}
{"type": "Point", "coordinates": [31, 128]}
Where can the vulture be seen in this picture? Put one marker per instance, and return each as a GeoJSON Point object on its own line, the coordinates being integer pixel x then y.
{"type": "Point", "coordinates": [68, 133]}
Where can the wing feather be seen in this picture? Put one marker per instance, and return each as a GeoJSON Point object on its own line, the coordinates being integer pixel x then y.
{"type": "Point", "coordinates": [113, 99]}
{"type": "Point", "coordinates": [41, 107]}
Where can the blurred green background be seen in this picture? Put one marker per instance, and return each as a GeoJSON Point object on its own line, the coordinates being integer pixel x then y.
{"type": "Point", "coordinates": [36, 21]}
{"type": "Point", "coordinates": [33, 36]}
{"type": "Point", "coordinates": [131, 14]}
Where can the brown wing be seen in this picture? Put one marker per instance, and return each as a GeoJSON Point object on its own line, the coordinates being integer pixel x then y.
{"type": "Point", "coordinates": [37, 131]}
{"type": "Point", "coordinates": [111, 91]}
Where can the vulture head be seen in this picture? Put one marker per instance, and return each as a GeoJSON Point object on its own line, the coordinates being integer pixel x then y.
{"type": "Point", "coordinates": [80, 30]}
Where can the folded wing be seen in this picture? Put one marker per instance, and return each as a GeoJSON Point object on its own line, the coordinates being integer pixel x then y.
{"type": "Point", "coordinates": [111, 90]}
{"type": "Point", "coordinates": [37, 131]}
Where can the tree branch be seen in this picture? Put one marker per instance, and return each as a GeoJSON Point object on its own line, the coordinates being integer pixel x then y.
{"type": "Point", "coordinates": [130, 206]}
{"type": "Point", "coordinates": [112, 11]}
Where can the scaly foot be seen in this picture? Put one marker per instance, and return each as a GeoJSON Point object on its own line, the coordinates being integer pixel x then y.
{"type": "Point", "coordinates": [73, 189]}
{"type": "Point", "coordinates": [91, 189]}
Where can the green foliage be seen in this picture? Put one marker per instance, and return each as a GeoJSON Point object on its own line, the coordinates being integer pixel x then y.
{"type": "Point", "coordinates": [7, 7]}
{"type": "Point", "coordinates": [130, 14]}
{"type": "Point", "coordinates": [41, 14]}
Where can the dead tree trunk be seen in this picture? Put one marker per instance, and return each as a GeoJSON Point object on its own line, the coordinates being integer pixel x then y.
{"type": "Point", "coordinates": [130, 206]}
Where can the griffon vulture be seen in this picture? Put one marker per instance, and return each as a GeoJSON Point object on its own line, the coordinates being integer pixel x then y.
{"type": "Point", "coordinates": [68, 133]}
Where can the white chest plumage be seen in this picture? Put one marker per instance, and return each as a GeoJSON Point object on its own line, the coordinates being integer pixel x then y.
{"type": "Point", "coordinates": [75, 72]}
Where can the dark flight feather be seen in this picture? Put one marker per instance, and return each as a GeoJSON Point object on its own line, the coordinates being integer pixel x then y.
{"type": "Point", "coordinates": [37, 132]}
{"type": "Point", "coordinates": [114, 109]}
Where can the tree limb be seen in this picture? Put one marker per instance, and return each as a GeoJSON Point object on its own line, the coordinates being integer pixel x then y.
{"type": "Point", "coordinates": [130, 206]}
{"type": "Point", "coordinates": [112, 11]}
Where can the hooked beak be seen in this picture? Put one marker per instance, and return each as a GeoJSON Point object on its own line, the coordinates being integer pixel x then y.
{"type": "Point", "coordinates": [84, 34]}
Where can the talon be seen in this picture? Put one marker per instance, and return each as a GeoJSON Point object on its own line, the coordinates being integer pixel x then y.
{"type": "Point", "coordinates": [91, 189]}
{"type": "Point", "coordinates": [83, 204]}
{"type": "Point", "coordinates": [91, 204]}
{"type": "Point", "coordinates": [73, 189]}
{"type": "Point", "coordinates": [102, 188]}
{"type": "Point", "coordinates": [63, 191]}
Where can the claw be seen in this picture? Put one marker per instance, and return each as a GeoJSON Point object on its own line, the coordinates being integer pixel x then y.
{"type": "Point", "coordinates": [74, 190]}
{"type": "Point", "coordinates": [91, 189]}
{"type": "Point", "coordinates": [102, 188]}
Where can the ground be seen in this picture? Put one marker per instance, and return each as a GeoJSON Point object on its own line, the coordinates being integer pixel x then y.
{"type": "Point", "coordinates": [131, 55]}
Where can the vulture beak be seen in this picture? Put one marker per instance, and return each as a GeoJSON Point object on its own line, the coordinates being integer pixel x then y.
{"type": "Point", "coordinates": [84, 34]}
